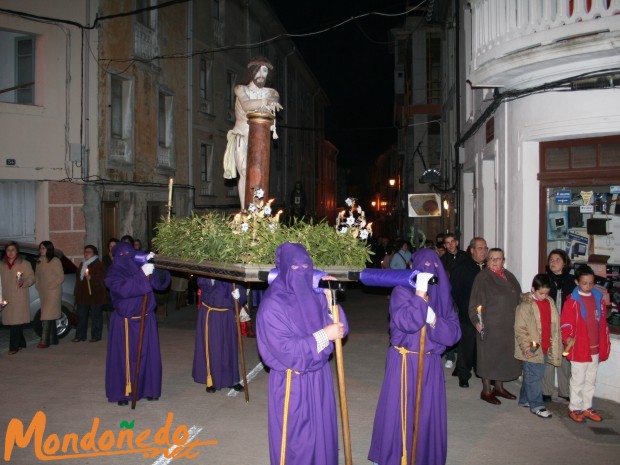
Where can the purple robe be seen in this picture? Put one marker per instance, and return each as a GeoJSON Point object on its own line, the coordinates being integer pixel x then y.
{"type": "Point", "coordinates": [289, 314]}
{"type": "Point", "coordinates": [128, 285]}
{"type": "Point", "coordinates": [407, 317]}
{"type": "Point", "coordinates": [222, 346]}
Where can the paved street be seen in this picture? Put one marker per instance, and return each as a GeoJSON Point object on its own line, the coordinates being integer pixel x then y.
{"type": "Point", "coordinates": [66, 382]}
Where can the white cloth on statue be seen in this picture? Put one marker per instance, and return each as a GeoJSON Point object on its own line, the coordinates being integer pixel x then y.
{"type": "Point", "coordinates": [230, 167]}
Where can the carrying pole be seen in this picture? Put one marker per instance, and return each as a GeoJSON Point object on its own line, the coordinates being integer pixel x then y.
{"type": "Point", "coordinates": [344, 410]}
{"type": "Point", "coordinates": [136, 376]}
{"type": "Point", "coordinates": [418, 391]}
{"type": "Point", "coordinates": [241, 350]}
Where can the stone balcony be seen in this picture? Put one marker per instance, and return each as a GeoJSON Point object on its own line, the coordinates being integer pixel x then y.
{"type": "Point", "coordinates": [516, 44]}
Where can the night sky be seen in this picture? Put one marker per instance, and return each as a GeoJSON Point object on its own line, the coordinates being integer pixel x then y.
{"type": "Point", "coordinates": [354, 64]}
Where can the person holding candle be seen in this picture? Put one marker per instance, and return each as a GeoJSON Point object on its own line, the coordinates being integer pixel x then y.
{"type": "Point", "coordinates": [586, 336]}
{"type": "Point", "coordinates": [90, 295]}
{"type": "Point", "coordinates": [17, 276]}
{"type": "Point", "coordinates": [49, 278]}
{"type": "Point", "coordinates": [495, 293]}
{"type": "Point", "coordinates": [537, 342]}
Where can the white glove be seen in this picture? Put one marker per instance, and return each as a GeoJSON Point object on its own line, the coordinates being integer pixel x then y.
{"type": "Point", "coordinates": [430, 316]}
{"type": "Point", "coordinates": [148, 269]}
{"type": "Point", "coordinates": [150, 256]}
{"type": "Point", "coordinates": [243, 315]}
{"type": "Point", "coordinates": [421, 281]}
{"type": "Point", "coordinates": [236, 294]}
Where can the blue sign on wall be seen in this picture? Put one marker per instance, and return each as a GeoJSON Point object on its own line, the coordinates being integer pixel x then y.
{"type": "Point", "coordinates": [562, 196]}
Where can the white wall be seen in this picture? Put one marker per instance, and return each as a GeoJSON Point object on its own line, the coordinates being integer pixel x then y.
{"type": "Point", "coordinates": [519, 127]}
{"type": "Point", "coordinates": [38, 136]}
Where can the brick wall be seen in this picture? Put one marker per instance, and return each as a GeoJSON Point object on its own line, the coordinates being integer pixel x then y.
{"type": "Point", "coordinates": [67, 224]}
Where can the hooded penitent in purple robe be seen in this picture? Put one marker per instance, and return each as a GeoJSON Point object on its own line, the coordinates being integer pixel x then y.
{"type": "Point", "coordinates": [216, 353]}
{"type": "Point", "coordinates": [407, 317]}
{"type": "Point", "coordinates": [300, 376]}
{"type": "Point", "coordinates": [128, 285]}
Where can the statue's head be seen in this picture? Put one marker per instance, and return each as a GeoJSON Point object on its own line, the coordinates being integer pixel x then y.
{"type": "Point", "coordinates": [257, 70]}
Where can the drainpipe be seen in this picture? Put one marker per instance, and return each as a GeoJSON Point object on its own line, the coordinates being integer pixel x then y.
{"type": "Point", "coordinates": [287, 112]}
{"type": "Point", "coordinates": [190, 105]}
{"type": "Point", "coordinates": [457, 165]}
{"type": "Point", "coordinates": [86, 96]}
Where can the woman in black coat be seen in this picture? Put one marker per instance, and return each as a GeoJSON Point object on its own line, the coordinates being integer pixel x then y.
{"type": "Point", "coordinates": [562, 284]}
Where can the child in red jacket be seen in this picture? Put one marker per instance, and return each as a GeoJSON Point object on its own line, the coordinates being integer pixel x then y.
{"type": "Point", "coordinates": [585, 335]}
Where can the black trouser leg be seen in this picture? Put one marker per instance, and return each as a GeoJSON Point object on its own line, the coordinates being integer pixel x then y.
{"type": "Point", "coordinates": [45, 332]}
{"type": "Point", "coordinates": [466, 360]}
{"type": "Point", "coordinates": [53, 332]}
{"type": "Point", "coordinates": [16, 337]}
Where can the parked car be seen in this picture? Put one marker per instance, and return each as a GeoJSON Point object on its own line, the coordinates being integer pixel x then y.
{"type": "Point", "coordinates": [31, 253]}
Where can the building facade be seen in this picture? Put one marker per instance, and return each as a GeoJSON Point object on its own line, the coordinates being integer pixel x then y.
{"type": "Point", "coordinates": [539, 139]}
{"type": "Point", "coordinates": [105, 101]}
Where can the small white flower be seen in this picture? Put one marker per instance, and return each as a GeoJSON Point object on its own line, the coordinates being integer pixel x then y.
{"type": "Point", "coordinates": [359, 210]}
{"type": "Point", "coordinates": [349, 202]}
{"type": "Point", "coordinates": [344, 230]}
{"type": "Point", "coordinates": [245, 227]}
{"type": "Point", "coordinates": [272, 226]}
{"type": "Point", "coordinates": [350, 220]}
{"type": "Point", "coordinates": [362, 224]}
{"type": "Point", "coordinates": [267, 210]}
{"type": "Point", "coordinates": [258, 193]}
{"type": "Point", "coordinates": [364, 234]}
{"type": "Point", "coordinates": [252, 207]}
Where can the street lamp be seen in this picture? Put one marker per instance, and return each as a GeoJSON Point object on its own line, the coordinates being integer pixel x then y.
{"type": "Point", "coordinates": [392, 182]}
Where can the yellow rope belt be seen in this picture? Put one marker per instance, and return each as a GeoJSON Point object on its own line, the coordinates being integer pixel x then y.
{"type": "Point", "coordinates": [287, 398]}
{"type": "Point", "coordinates": [127, 365]}
{"type": "Point", "coordinates": [403, 399]}
{"type": "Point", "coordinates": [209, 377]}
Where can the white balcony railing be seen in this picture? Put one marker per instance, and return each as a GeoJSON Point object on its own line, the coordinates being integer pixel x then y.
{"type": "Point", "coordinates": [144, 42]}
{"type": "Point", "coordinates": [501, 28]}
{"type": "Point", "coordinates": [165, 157]}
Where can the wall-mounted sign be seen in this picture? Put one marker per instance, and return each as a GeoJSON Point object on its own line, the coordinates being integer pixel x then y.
{"type": "Point", "coordinates": [614, 189]}
{"type": "Point", "coordinates": [562, 196]}
{"type": "Point", "coordinates": [10, 162]}
{"type": "Point", "coordinates": [421, 205]}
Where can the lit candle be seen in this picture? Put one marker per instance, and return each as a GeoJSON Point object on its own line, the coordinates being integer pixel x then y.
{"type": "Point", "coordinates": [569, 346]}
{"type": "Point", "coordinates": [19, 275]}
{"type": "Point", "coordinates": [170, 183]}
{"type": "Point", "coordinates": [4, 303]}
{"type": "Point", "coordinates": [86, 273]}
{"type": "Point", "coordinates": [479, 313]}
{"type": "Point", "coordinates": [534, 346]}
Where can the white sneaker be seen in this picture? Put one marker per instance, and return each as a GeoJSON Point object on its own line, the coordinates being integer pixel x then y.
{"type": "Point", "coordinates": [543, 413]}
{"type": "Point", "coordinates": [449, 364]}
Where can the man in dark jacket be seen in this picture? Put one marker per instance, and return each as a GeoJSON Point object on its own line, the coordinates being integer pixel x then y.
{"type": "Point", "coordinates": [453, 255]}
{"type": "Point", "coordinates": [462, 280]}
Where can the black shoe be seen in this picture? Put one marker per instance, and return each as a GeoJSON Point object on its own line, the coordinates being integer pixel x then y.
{"type": "Point", "coordinates": [152, 398]}
{"type": "Point", "coordinates": [123, 402]}
{"type": "Point", "coordinates": [546, 398]}
{"type": "Point", "coordinates": [77, 339]}
{"type": "Point", "coordinates": [463, 383]}
{"type": "Point", "coordinates": [237, 387]}
{"type": "Point", "coordinates": [210, 389]}
{"type": "Point", "coordinates": [95, 340]}
{"type": "Point", "coordinates": [566, 398]}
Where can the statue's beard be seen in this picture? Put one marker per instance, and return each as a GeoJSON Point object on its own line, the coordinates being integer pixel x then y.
{"type": "Point", "coordinates": [259, 82]}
